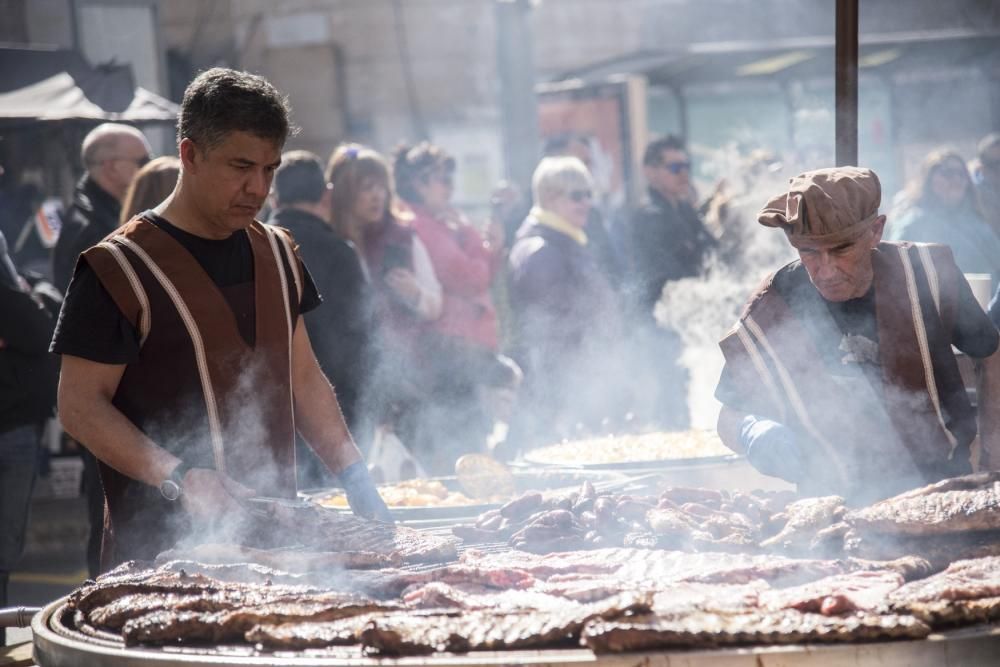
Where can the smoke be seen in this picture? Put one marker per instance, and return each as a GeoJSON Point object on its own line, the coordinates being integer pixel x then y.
{"type": "Point", "coordinates": [702, 308]}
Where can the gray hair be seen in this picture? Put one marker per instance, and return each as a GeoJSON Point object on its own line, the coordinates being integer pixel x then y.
{"type": "Point", "coordinates": [556, 176]}
{"type": "Point", "coordinates": [104, 140]}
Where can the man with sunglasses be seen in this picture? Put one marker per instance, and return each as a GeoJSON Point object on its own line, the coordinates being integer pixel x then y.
{"type": "Point", "coordinates": [111, 154]}
{"type": "Point", "coordinates": [665, 240]}
{"type": "Point", "coordinates": [668, 238]}
{"type": "Point", "coordinates": [840, 374]}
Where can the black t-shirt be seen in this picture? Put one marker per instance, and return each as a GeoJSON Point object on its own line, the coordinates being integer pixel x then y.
{"type": "Point", "coordinates": [92, 326]}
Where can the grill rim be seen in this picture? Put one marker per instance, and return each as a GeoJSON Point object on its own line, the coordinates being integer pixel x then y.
{"type": "Point", "coordinates": [69, 648]}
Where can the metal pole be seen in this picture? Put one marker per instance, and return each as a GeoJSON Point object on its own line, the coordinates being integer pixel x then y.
{"type": "Point", "coordinates": [518, 102]}
{"type": "Point", "coordinates": [846, 76]}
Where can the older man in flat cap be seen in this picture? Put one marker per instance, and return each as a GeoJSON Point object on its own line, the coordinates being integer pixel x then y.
{"type": "Point", "coordinates": [840, 374]}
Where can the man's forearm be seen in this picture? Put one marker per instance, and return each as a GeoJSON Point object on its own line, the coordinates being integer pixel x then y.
{"type": "Point", "coordinates": [317, 413]}
{"type": "Point", "coordinates": [98, 425]}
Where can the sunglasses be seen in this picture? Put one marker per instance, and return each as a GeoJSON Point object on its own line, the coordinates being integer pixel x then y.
{"type": "Point", "coordinates": [139, 162]}
{"type": "Point", "coordinates": [578, 196]}
{"type": "Point", "coordinates": [676, 167]}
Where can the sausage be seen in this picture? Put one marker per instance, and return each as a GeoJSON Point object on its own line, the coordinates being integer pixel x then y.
{"type": "Point", "coordinates": [559, 518]}
{"type": "Point", "coordinates": [708, 497]}
{"type": "Point", "coordinates": [487, 516]}
{"type": "Point", "coordinates": [633, 510]}
{"type": "Point", "coordinates": [491, 523]}
{"type": "Point", "coordinates": [583, 504]}
{"type": "Point", "coordinates": [522, 505]}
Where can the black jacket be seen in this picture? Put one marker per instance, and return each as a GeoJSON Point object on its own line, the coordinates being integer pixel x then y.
{"type": "Point", "coordinates": [340, 329]}
{"type": "Point", "coordinates": [93, 215]}
{"type": "Point", "coordinates": [666, 242]}
{"type": "Point", "coordinates": [28, 372]}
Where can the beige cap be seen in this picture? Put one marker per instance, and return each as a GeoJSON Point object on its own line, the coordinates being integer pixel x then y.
{"type": "Point", "coordinates": [833, 205]}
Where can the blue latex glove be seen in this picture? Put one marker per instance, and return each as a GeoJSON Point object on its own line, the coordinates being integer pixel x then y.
{"type": "Point", "coordinates": [772, 448]}
{"type": "Point", "coordinates": [362, 495]}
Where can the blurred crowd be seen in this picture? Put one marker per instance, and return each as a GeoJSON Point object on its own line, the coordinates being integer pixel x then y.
{"type": "Point", "coordinates": [443, 335]}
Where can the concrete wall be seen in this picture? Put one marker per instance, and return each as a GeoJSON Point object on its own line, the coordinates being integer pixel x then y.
{"type": "Point", "coordinates": [346, 69]}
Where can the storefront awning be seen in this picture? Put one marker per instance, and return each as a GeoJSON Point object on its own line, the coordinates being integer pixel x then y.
{"type": "Point", "coordinates": [54, 85]}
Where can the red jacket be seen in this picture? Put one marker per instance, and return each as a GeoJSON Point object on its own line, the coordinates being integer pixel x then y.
{"type": "Point", "coordinates": [465, 266]}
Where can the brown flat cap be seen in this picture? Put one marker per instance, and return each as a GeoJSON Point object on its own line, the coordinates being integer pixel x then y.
{"type": "Point", "coordinates": [833, 205]}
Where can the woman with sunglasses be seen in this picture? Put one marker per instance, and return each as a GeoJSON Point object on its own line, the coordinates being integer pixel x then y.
{"type": "Point", "coordinates": [566, 320]}
{"type": "Point", "coordinates": [463, 351]}
{"type": "Point", "coordinates": [943, 209]}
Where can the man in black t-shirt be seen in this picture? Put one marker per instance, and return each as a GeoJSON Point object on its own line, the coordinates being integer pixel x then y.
{"type": "Point", "coordinates": [340, 332]}
{"type": "Point", "coordinates": [840, 375]}
{"type": "Point", "coordinates": [185, 367]}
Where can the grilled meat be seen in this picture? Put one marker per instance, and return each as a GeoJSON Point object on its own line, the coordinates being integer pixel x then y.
{"type": "Point", "coordinates": [835, 595]}
{"type": "Point", "coordinates": [962, 580]}
{"type": "Point", "coordinates": [285, 560]}
{"type": "Point", "coordinates": [306, 634]}
{"type": "Point", "coordinates": [704, 630]}
{"type": "Point", "coordinates": [439, 595]}
{"type": "Point", "coordinates": [326, 530]}
{"type": "Point", "coordinates": [107, 589]}
{"type": "Point", "coordinates": [805, 518]}
{"type": "Point", "coordinates": [947, 613]}
{"type": "Point", "coordinates": [680, 599]}
{"type": "Point", "coordinates": [938, 550]}
{"type": "Point", "coordinates": [968, 503]}
{"type": "Point", "coordinates": [908, 567]}
{"type": "Point", "coordinates": [236, 573]}
{"type": "Point", "coordinates": [489, 630]}
{"type": "Point", "coordinates": [168, 626]}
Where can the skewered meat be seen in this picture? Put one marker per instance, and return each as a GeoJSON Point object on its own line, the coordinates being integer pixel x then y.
{"type": "Point", "coordinates": [703, 629]}
{"type": "Point", "coordinates": [806, 518]}
{"type": "Point", "coordinates": [968, 503]}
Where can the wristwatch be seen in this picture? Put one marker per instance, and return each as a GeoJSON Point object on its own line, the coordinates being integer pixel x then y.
{"type": "Point", "coordinates": [170, 488]}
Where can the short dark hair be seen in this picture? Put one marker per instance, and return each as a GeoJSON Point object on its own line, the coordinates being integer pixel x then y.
{"type": "Point", "coordinates": [299, 179]}
{"type": "Point", "coordinates": [221, 100]}
{"type": "Point", "coordinates": [654, 151]}
{"type": "Point", "coordinates": [412, 163]}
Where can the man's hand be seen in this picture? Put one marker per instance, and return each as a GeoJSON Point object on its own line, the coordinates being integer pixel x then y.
{"type": "Point", "coordinates": [362, 495]}
{"type": "Point", "coordinates": [208, 494]}
{"type": "Point", "coordinates": [772, 448]}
